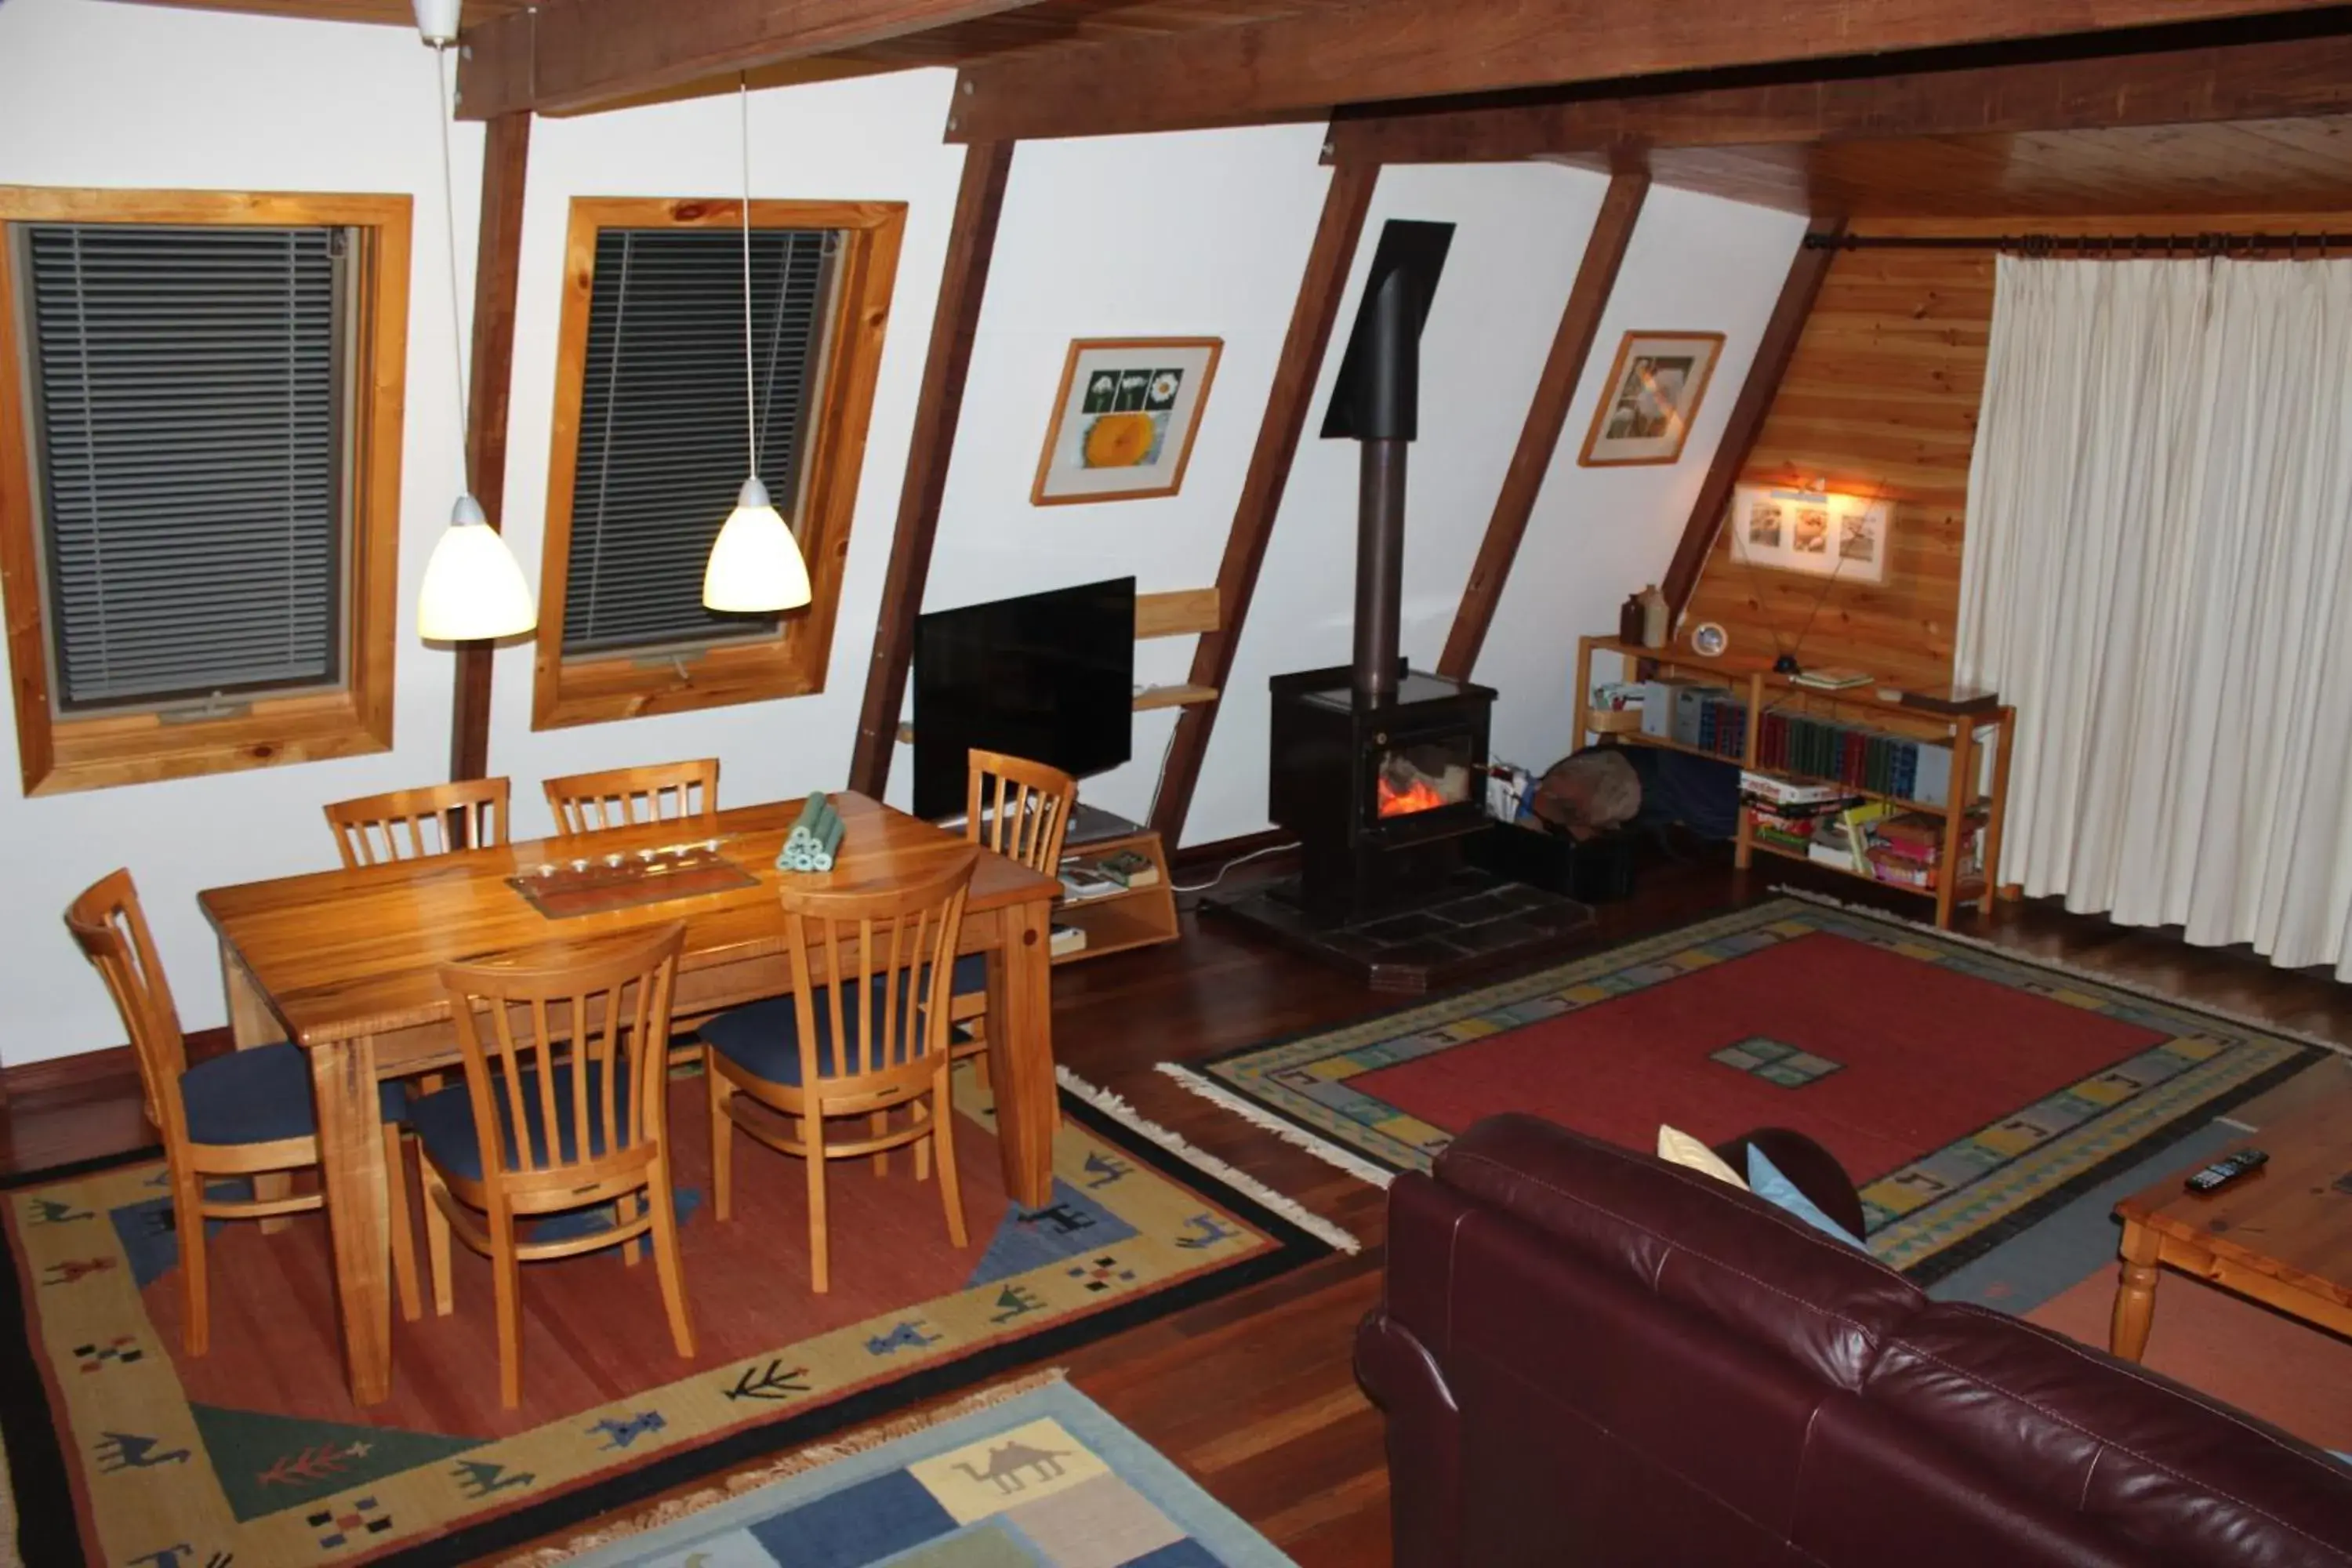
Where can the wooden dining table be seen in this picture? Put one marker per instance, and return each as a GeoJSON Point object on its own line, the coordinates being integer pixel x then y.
{"type": "Point", "coordinates": [345, 964]}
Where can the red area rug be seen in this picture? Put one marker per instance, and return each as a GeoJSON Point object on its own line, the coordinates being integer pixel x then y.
{"type": "Point", "coordinates": [1967, 1091]}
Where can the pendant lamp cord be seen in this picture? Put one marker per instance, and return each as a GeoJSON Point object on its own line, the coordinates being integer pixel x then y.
{"type": "Point", "coordinates": [750, 385]}
{"type": "Point", "coordinates": [449, 233]}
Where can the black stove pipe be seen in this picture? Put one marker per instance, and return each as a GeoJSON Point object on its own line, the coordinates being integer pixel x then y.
{"type": "Point", "coordinates": [1377, 402]}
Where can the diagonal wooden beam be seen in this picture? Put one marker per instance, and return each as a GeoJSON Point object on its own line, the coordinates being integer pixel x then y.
{"type": "Point", "coordinates": [564, 56]}
{"type": "Point", "coordinates": [1571, 345]}
{"type": "Point", "coordinates": [1396, 49]}
{"type": "Point", "coordinates": [497, 279]}
{"type": "Point", "coordinates": [1345, 205]}
{"type": "Point", "coordinates": [2275, 79]}
{"type": "Point", "coordinates": [939, 407]}
{"type": "Point", "coordinates": [1782, 333]}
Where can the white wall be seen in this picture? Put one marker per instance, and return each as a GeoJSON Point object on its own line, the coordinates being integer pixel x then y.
{"type": "Point", "coordinates": [1203, 234]}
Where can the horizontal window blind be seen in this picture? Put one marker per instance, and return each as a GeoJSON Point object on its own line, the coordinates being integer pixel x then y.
{"type": "Point", "coordinates": [187, 400]}
{"type": "Point", "coordinates": [662, 435]}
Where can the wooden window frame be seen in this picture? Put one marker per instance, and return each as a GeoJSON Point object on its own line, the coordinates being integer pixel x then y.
{"type": "Point", "coordinates": [597, 688]}
{"type": "Point", "coordinates": [60, 753]}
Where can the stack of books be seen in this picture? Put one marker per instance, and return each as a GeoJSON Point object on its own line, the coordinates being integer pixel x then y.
{"type": "Point", "coordinates": [1908, 850]}
{"type": "Point", "coordinates": [1787, 813]}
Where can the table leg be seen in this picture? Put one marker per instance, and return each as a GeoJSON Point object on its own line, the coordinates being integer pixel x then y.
{"type": "Point", "coordinates": [2135, 1293]}
{"type": "Point", "coordinates": [251, 1022]}
{"type": "Point", "coordinates": [352, 1170]}
{"type": "Point", "coordinates": [1020, 1053]}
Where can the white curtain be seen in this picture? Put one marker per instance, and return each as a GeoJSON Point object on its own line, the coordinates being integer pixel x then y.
{"type": "Point", "coordinates": [2157, 572]}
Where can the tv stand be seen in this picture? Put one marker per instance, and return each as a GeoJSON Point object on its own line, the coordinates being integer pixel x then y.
{"type": "Point", "coordinates": [1118, 923]}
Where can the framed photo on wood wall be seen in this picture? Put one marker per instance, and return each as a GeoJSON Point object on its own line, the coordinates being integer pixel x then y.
{"type": "Point", "coordinates": [1820, 533]}
{"type": "Point", "coordinates": [1125, 418]}
{"type": "Point", "coordinates": [1651, 397]}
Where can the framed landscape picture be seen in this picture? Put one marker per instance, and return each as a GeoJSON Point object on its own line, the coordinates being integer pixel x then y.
{"type": "Point", "coordinates": [1125, 418]}
{"type": "Point", "coordinates": [1820, 533]}
{"type": "Point", "coordinates": [1651, 397]}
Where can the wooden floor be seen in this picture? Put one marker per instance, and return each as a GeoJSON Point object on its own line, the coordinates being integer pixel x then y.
{"type": "Point", "coordinates": [1252, 1395]}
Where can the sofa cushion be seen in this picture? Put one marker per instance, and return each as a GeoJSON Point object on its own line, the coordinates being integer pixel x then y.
{"type": "Point", "coordinates": [2189, 1479]}
{"type": "Point", "coordinates": [1765, 1179]}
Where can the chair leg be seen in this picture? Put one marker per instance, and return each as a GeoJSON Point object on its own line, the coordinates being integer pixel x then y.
{"type": "Point", "coordinates": [506, 1273]}
{"type": "Point", "coordinates": [667, 1262]}
{"type": "Point", "coordinates": [722, 1135]}
{"type": "Point", "coordinates": [268, 1187]}
{"type": "Point", "coordinates": [943, 1139]}
{"type": "Point", "coordinates": [624, 1211]}
{"type": "Point", "coordinates": [879, 1124]}
{"type": "Point", "coordinates": [188, 1219]}
{"type": "Point", "coordinates": [404, 1238]}
{"type": "Point", "coordinates": [921, 1110]}
{"type": "Point", "coordinates": [436, 1242]}
{"type": "Point", "coordinates": [813, 1145]}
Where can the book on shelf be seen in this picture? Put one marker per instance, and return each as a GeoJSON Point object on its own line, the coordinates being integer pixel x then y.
{"type": "Point", "coordinates": [1831, 679]}
{"type": "Point", "coordinates": [1068, 940]}
{"type": "Point", "coordinates": [1130, 868]}
{"type": "Point", "coordinates": [1081, 883]}
{"type": "Point", "coordinates": [1953, 700]}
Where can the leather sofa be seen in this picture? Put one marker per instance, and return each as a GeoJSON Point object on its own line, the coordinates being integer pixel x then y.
{"type": "Point", "coordinates": [1587, 1355]}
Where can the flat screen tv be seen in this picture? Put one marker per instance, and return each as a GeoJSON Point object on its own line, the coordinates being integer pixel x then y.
{"type": "Point", "coordinates": [1050, 677]}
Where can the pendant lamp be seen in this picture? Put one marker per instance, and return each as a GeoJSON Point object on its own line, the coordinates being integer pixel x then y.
{"type": "Point", "coordinates": [755, 565]}
{"type": "Point", "coordinates": [474, 588]}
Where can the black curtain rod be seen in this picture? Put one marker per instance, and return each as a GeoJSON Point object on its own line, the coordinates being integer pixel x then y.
{"type": "Point", "coordinates": [2206, 243]}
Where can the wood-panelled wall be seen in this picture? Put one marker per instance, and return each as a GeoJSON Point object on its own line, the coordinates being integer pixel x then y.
{"type": "Point", "coordinates": [1882, 399]}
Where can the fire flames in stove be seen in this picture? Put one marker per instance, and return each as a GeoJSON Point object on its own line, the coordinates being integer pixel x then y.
{"type": "Point", "coordinates": [1404, 789]}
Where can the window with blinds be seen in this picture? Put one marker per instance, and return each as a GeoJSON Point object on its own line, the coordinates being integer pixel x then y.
{"type": "Point", "coordinates": [188, 390]}
{"type": "Point", "coordinates": [662, 425]}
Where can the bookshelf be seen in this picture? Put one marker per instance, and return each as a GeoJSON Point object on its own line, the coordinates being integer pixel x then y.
{"type": "Point", "coordinates": [1979, 794]}
{"type": "Point", "coordinates": [1121, 922]}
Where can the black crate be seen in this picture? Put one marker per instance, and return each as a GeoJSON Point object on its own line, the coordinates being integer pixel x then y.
{"type": "Point", "coordinates": [1596, 871]}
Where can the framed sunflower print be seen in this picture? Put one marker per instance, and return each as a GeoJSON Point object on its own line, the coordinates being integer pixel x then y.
{"type": "Point", "coordinates": [1125, 418]}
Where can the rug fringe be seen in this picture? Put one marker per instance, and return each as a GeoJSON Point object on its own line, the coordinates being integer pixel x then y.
{"type": "Point", "coordinates": [797, 1463]}
{"type": "Point", "coordinates": [1290, 1132]}
{"type": "Point", "coordinates": [2095, 978]}
{"type": "Point", "coordinates": [1127, 1116]}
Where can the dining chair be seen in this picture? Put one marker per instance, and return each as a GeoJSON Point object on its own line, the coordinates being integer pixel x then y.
{"type": "Point", "coordinates": [1020, 809]}
{"type": "Point", "coordinates": [411, 823]}
{"type": "Point", "coordinates": [864, 1032]}
{"type": "Point", "coordinates": [589, 803]}
{"type": "Point", "coordinates": [562, 1108]}
{"type": "Point", "coordinates": [245, 1113]}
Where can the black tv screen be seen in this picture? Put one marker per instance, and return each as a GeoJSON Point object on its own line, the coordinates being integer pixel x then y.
{"type": "Point", "coordinates": [1050, 677]}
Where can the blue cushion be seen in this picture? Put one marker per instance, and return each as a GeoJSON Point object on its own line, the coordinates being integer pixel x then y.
{"type": "Point", "coordinates": [259, 1096]}
{"type": "Point", "coordinates": [444, 1123]}
{"type": "Point", "coordinates": [969, 977]}
{"type": "Point", "coordinates": [1765, 1179]}
{"type": "Point", "coordinates": [764, 1039]}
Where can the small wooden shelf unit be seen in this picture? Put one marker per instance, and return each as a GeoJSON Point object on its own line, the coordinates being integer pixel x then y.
{"type": "Point", "coordinates": [1766, 691]}
{"type": "Point", "coordinates": [1116, 922]}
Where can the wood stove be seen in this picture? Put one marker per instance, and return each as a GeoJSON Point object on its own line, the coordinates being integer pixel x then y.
{"type": "Point", "coordinates": [1380, 794]}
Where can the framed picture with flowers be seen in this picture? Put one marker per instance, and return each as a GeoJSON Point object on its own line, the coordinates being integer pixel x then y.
{"type": "Point", "coordinates": [1125, 418]}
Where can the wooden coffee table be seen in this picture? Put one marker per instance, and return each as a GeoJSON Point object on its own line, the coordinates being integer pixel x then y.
{"type": "Point", "coordinates": [2283, 1237]}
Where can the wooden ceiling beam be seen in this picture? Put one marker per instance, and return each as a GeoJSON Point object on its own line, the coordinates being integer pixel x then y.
{"type": "Point", "coordinates": [2276, 79]}
{"type": "Point", "coordinates": [1398, 50]}
{"type": "Point", "coordinates": [572, 55]}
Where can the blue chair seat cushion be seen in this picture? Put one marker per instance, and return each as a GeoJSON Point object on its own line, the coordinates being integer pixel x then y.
{"type": "Point", "coordinates": [444, 1123]}
{"type": "Point", "coordinates": [259, 1096]}
{"type": "Point", "coordinates": [969, 976]}
{"type": "Point", "coordinates": [764, 1038]}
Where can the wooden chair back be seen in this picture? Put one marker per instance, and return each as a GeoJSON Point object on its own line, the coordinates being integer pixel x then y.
{"type": "Point", "coordinates": [597, 1017]}
{"type": "Point", "coordinates": [589, 803]}
{"type": "Point", "coordinates": [1019, 808]}
{"type": "Point", "coordinates": [111, 930]}
{"type": "Point", "coordinates": [411, 823]}
{"type": "Point", "coordinates": [897, 942]}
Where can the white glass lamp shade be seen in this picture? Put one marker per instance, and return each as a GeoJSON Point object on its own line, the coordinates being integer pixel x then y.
{"type": "Point", "coordinates": [474, 588]}
{"type": "Point", "coordinates": [755, 565]}
{"type": "Point", "coordinates": [438, 21]}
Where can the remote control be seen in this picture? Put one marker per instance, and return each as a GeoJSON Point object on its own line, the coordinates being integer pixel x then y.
{"type": "Point", "coordinates": [2221, 1172]}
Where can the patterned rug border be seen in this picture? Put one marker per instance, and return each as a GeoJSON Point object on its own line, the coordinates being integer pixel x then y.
{"type": "Point", "coordinates": [1370, 1169]}
{"type": "Point", "coordinates": [814, 1457]}
{"type": "Point", "coordinates": [53, 1535]}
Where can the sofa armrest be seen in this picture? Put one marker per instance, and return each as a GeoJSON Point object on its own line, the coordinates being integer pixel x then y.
{"type": "Point", "coordinates": [1425, 1442]}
